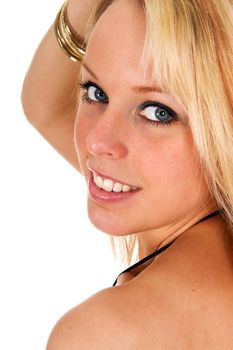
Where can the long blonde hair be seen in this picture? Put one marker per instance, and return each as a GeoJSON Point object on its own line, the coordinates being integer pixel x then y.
{"type": "Point", "coordinates": [190, 46]}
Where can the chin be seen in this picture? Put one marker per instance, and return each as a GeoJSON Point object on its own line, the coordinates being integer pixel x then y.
{"type": "Point", "coordinates": [111, 227]}
{"type": "Point", "coordinates": [108, 222]}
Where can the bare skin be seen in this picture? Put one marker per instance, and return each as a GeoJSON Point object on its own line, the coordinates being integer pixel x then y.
{"type": "Point", "coordinates": [182, 299]}
{"type": "Point", "coordinates": [49, 94]}
{"type": "Point", "coordinates": [175, 303]}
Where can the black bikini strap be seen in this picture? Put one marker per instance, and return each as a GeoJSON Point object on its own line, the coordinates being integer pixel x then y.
{"type": "Point", "coordinates": [142, 261]}
{"type": "Point", "coordinates": [159, 251]}
{"type": "Point", "coordinates": [209, 216]}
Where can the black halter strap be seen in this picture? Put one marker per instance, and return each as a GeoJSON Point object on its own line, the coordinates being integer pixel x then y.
{"type": "Point", "coordinates": [159, 251]}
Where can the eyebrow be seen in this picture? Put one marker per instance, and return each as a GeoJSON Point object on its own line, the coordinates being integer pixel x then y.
{"type": "Point", "coordinates": [142, 89]}
{"type": "Point", "coordinates": [145, 89]}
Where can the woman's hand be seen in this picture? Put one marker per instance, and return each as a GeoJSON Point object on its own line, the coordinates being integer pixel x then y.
{"type": "Point", "coordinates": [49, 95]}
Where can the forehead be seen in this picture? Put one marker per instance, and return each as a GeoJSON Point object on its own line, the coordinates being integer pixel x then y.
{"type": "Point", "coordinates": [117, 40]}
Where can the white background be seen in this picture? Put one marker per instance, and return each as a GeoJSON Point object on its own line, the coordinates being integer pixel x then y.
{"type": "Point", "coordinates": [51, 258]}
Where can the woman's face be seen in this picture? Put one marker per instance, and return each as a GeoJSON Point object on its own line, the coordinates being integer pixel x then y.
{"type": "Point", "coordinates": [129, 133]}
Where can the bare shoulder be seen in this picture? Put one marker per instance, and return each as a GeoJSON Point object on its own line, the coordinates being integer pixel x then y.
{"type": "Point", "coordinates": [177, 303]}
{"type": "Point", "coordinates": [124, 317]}
{"type": "Point", "coordinates": [192, 292]}
{"type": "Point", "coordinates": [99, 322]}
{"type": "Point", "coordinates": [140, 315]}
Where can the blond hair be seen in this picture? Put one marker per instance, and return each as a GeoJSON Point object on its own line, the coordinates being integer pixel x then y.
{"type": "Point", "coordinates": [190, 46]}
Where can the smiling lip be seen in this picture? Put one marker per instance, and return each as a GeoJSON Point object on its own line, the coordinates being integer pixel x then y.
{"type": "Point", "coordinates": [101, 196]}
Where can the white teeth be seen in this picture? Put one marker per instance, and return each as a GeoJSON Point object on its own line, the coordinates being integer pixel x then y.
{"type": "Point", "coordinates": [109, 185]}
{"type": "Point", "coordinates": [98, 181]}
{"type": "Point", "coordinates": [117, 187]}
{"type": "Point", "coordinates": [126, 188]}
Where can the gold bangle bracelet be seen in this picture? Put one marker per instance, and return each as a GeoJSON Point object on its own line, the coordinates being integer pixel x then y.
{"type": "Point", "coordinates": [70, 43]}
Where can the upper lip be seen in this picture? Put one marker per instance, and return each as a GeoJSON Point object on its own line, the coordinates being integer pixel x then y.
{"type": "Point", "coordinates": [103, 176]}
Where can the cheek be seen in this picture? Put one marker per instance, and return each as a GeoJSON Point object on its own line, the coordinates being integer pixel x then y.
{"type": "Point", "coordinates": [171, 162]}
{"type": "Point", "coordinates": [171, 178]}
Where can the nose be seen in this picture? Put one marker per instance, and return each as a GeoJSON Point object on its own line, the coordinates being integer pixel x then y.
{"type": "Point", "coordinates": [107, 138]}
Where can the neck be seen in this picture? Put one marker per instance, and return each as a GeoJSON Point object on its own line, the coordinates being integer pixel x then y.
{"type": "Point", "coordinates": [154, 239]}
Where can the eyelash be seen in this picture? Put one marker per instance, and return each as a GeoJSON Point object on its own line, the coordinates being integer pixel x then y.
{"type": "Point", "coordinates": [84, 85]}
{"type": "Point", "coordinates": [86, 99]}
{"type": "Point", "coordinates": [173, 115]}
{"type": "Point", "coordinates": [156, 123]}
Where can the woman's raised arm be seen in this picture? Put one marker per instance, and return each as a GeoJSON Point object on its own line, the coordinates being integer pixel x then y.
{"type": "Point", "coordinates": [49, 94]}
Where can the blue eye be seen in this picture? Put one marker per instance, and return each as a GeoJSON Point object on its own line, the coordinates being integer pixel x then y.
{"type": "Point", "coordinates": [93, 93]}
{"type": "Point", "coordinates": [96, 94]}
{"type": "Point", "coordinates": [157, 113]}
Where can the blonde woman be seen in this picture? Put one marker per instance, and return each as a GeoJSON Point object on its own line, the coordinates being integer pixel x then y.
{"type": "Point", "coordinates": [152, 126]}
